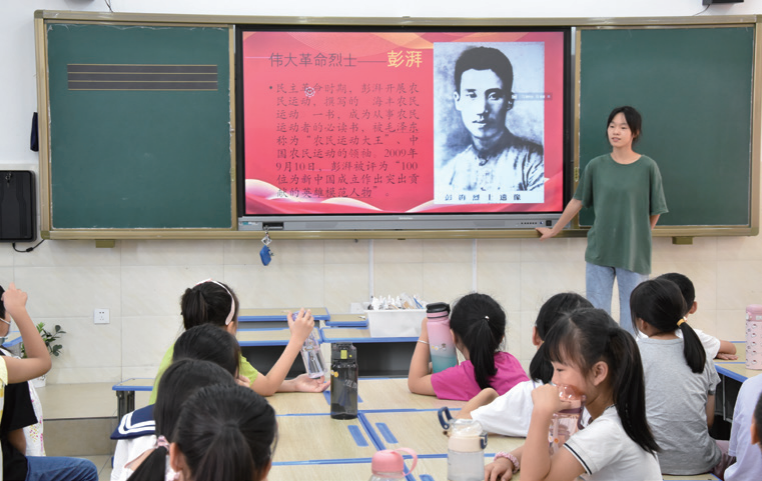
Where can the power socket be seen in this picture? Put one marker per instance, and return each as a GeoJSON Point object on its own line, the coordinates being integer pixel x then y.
{"type": "Point", "coordinates": [100, 316]}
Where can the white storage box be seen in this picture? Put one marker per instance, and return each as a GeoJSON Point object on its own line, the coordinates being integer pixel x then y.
{"type": "Point", "coordinates": [395, 323]}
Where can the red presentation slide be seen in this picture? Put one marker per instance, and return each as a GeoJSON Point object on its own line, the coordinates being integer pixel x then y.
{"type": "Point", "coordinates": [403, 122]}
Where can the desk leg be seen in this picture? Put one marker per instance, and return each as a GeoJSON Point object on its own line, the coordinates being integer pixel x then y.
{"type": "Point", "coordinates": [125, 402]}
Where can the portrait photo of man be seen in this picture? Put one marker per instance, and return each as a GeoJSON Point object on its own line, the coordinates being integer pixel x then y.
{"type": "Point", "coordinates": [478, 156]}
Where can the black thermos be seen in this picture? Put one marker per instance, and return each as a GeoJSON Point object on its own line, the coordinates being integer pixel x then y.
{"type": "Point", "coordinates": [343, 381]}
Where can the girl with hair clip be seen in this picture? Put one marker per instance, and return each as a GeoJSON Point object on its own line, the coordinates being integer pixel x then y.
{"type": "Point", "coordinates": [224, 432]}
{"type": "Point", "coordinates": [136, 432]}
{"type": "Point", "coordinates": [478, 326]}
{"type": "Point", "coordinates": [590, 352]}
{"type": "Point", "coordinates": [212, 302]}
{"type": "Point", "coordinates": [680, 382]}
{"type": "Point", "coordinates": [510, 413]}
{"type": "Point", "coordinates": [180, 381]}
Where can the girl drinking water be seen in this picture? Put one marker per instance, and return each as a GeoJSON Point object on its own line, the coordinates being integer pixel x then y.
{"type": "Point", "coordinates": [478, 326]}
{"type": "Point", "coordinates": [591, 353]}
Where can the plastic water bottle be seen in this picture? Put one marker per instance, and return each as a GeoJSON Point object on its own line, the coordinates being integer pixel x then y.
{"type": "Point", "coordinates": [754, 336]}
{"type": "Point", "coordinates": [312, 357]}
{"type": "Point", "coordinates": [465, 447]}
{"type": "Point", "coordinates": [343, 381]}
{"type": "Point", "coordinates": [441, 343]}
{"type": "Point", "coordinates": [388, 465]}
{"type": "Point", "coordinates": [568, 421]}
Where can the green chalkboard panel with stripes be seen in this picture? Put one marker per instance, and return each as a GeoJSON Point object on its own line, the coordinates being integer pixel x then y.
{"type": "Point", "coordinates": [140, 133]}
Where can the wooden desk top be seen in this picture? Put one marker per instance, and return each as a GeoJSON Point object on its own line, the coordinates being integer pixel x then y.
{"type": "Point", "coordinates": [348, 320]}
{"type": "Point", "coordinates": [736, 369]}
{"type": "Point", "coordinates": [358, 335]}
{"type": "Point", "coordinates": [279, 314]}
{"type": "Point", "coordinates": [436, 469]}
{"type": "Point", "coordinates": [319, 437]}
{"type": "Point", "coordinates": [300, 403]}
{"type": "Point", "coordinates": [420, 431]}
{"type": "Point", "coordinates": [263, 337]}
{"type": "Point", "coordinates": [320, 472]}
{"type": "Point", "coordinates": [394, 394]}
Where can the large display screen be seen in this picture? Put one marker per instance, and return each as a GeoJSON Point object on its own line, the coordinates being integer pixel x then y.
{"type": "Point", "coordinates": [366, 124]}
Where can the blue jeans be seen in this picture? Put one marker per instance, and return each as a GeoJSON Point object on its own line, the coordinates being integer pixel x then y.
{"type": "Point", "coordinates": [600, 284]}
{"type": "Point", "coordinates": [54, 468]}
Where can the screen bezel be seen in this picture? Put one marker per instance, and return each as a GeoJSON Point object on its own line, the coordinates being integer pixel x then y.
{"type": "Point", "coordinates": [402, 221]}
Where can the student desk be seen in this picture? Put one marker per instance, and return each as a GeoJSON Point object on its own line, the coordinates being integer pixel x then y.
{"type": "Point", "coordinates": [125, 393]}
{"type": "Point", "coordinates": [732, 375]}
{"type": "Point", "coordinates": [317, 438]}
{"type": "Point", "coordinates": [276, 316]}
{"type": "Point", "coordinates": [376, 356]}
{"type": "Point", "coordinates": [263, 347]}
{"type": "Point", "coordinates": [347, 320]}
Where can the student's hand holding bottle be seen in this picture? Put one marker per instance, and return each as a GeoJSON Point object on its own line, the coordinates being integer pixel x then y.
{"type": "Point", "coordinates": [301, 327]}
{"type": "Point", "coordinates": [547, 401]}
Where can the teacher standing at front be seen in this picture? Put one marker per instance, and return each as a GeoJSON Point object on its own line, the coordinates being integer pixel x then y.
{"type": "Point", "coordinates": [624, 189]}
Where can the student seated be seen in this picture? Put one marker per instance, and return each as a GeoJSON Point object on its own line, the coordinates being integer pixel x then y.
{"type": "Point", "coordinates": [14, 371]}
{"type": "Point", "coordinates": [680, 382]}
{"type": "Point", "coordinates": [224, 432]}
{"type": "Point", "coordinates": [715, 348]}
{"type": "Point", "coordinates": [590, 352]}
{"type": "Point", "coordinates": [745, 433]}
{"type": "Point", "coordinates": [136, 431]}
{"type": "Point", "coordinates": [212, 302]}
{"type": "Point", "coordinates": [510, 413]}
{"type": "Point", "coordinates": [180, 381]}
{"type": "Point", "coordinates": [478, 324]}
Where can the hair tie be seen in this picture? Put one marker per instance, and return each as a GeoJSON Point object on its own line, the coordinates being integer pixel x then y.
{"type": "Point", "coordinates": [232, 300]}
{"type": "Point", "coordinates": [161, 442]}
{"type": "Point", "coordinates": [486, 318]}
{"type": "Point", "coordinates": [681, 321]}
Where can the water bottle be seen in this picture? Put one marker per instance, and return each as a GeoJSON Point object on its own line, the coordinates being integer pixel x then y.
{"type": "Point", "coordinates": [388, 465]}
{"type": "Point", "coordinates": [343, 381]}
{"type": "Point", "coordinates": [312, 357]}
{"type": "Point", "coordinates": [465, 447]}
{"type": "Point", "coordinates": [441, 343]}
{"type": "Point", "coordinates": [754, 336]}
{"type": "Point", "coordinates": [568, 421]}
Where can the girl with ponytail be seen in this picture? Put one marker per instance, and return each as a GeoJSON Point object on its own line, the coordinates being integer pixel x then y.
{"type": "Point", "coordinates": [680, 382]}
{"type": "Point", "coordinates": [589, 351]}
{"type": "Point", "coordinates": [224, 432]}
{"type": "Point", "coordinates": [478, 326]}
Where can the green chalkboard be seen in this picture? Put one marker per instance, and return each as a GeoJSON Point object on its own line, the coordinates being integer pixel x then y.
{"type": "Point", "coordinates": [140, 129]}
{"type": "Point", "coordinates": [693, 87]}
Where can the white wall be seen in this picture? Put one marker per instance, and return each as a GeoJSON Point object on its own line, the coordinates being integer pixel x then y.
{"type": "Point", "coordinates": [141, 281]}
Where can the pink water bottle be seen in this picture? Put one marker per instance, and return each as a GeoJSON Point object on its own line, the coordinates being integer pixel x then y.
{"type": "Point", "coordinates": [754, 337]}
{"type": "Point", "coordinates": [441, 343]}
{"type": "Point", "coordinates": [388, 465]}
{"type": "Point", "coordinates": [568, 421]}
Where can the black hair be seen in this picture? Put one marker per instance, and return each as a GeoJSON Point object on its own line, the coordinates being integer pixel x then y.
{"type": "Point", "coordinates": [632, 117]}
{"type": "Point", "coordinates": [587, 336]}
{"type": "Point", "coordinates": [686, 288]}
{"type": "Point", "coordinates": [181, 380]}
{"type": "Point", "coordinates": [485, 58]}
{"type": "Point", "coordinates": [209, 343]}
{"type": "Point", "coordinates": [2, 304]}
{"type": "Point", "coordinates": [208, 303]}
{"type": "Point", "coordinates": [226, 432]}
{"type": "Point", "coordinates": [660, 303]}
{"type": "Point", "coordinates": [554, 309]}
{"type": "Point", "coordinates": [478, 321]}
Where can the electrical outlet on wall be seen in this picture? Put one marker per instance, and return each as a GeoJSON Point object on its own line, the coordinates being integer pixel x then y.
{"type": "Point", "coordinates": [100, 316]}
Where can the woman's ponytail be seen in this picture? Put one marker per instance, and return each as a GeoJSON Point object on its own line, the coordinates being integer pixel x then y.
{"type": "Point", "coordinates": [153, 467]}
{"type": "Point", "coordinates": [228, 456]}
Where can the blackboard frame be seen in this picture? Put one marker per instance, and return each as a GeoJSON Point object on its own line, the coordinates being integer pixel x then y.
{"type": "Point", "coordinates": [679, 232]}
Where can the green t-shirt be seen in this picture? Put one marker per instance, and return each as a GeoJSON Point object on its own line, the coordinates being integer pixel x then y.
{"type": "Point", "coordinates": [244, 369]}
{"type": "Point", "coordinates": [623, 198]}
